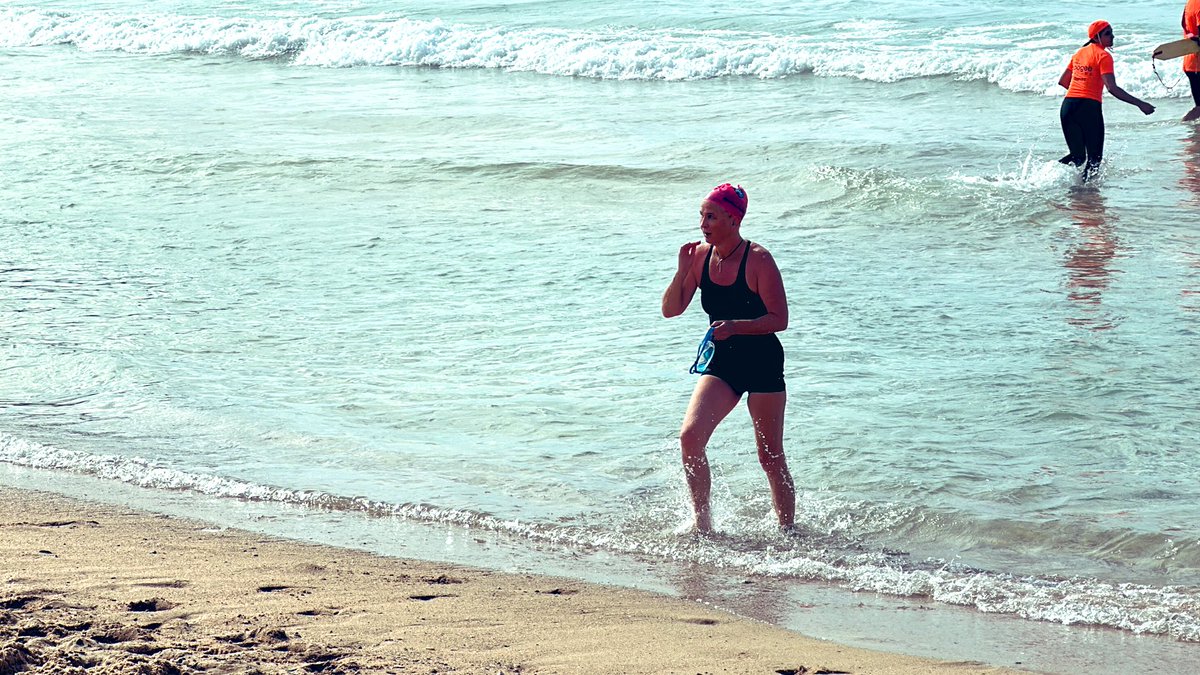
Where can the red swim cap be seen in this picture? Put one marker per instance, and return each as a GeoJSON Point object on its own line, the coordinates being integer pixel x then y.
{"type": "Point", "coordinates": [732, 199]}
{"type": "Point", "coordinates": [1096, 27]}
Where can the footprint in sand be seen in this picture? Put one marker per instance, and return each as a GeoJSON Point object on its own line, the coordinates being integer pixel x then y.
{"type": "Point", "coordinates": [151, 605]}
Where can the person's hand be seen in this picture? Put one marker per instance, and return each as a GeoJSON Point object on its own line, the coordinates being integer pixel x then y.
{"type": "Point", "coordinates": [722, 330]}
{"type": "Point", "coordinates": [1146, 108]}
{"type": "Point", "coordinates": [687, 253]}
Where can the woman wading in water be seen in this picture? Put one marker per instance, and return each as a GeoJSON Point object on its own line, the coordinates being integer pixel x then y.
{"type": "Point", "coordinates": [741, 290]}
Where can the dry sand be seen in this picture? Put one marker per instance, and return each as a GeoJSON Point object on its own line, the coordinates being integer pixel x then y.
{"type": "Point", "coordinates": [86, 588]}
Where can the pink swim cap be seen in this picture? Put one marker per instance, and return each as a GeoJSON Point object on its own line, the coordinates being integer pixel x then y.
{"type": "Point", "coordinates": [732, 199]}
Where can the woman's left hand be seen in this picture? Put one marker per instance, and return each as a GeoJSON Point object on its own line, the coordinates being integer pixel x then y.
{"type": "Point", "coordinates": [723, 330]}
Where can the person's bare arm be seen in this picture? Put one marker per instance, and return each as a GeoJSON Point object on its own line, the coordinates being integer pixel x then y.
{"type": "Point", "coordinates": [1110, 81]}
{"type": "Point", "coordinates": [683, 285]}
{"type": "Point", "coordinates": [1065, 80]}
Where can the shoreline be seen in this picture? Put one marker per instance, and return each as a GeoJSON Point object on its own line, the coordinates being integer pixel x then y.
{"type": "Point", "coordinates": [104, 589]}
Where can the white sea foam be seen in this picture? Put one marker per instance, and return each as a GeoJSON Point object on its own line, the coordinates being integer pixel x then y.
{"type": "Point", "coordinates": [1017, 58]}
{"type": "Point", "coordinates": [1173, 611]}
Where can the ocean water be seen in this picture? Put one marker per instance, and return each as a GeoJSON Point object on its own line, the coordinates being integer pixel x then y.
{"type": "Point", "coordinates": [387, 264]}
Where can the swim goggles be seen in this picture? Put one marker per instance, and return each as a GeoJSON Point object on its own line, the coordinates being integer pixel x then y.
{"type": "Point", "coordinates": [704, 354]}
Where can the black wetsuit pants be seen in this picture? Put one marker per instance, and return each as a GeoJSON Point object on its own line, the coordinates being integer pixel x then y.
{"type": "Point", "coordinates": [1194, 80]}
{"type": "Point", "coordinates": [1083, 127]}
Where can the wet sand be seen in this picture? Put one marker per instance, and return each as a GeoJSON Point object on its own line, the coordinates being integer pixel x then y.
{"type": "Point", "coordinates": [88, 588]}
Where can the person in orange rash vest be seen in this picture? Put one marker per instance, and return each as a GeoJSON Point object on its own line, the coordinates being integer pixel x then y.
{"type": "Point", "coordinates": [1191, 62]}
{"type": "Point", "coordinates": [1088, 74]}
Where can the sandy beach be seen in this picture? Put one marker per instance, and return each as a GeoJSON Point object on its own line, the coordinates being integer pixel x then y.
{"type": "Point", "coordinates": [97, 589]}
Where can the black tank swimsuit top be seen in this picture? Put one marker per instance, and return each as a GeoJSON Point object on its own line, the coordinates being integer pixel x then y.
{"type": "Point", "coordinates": [745, 362]}
{"type": "Point", "coordinates": [735, 301]}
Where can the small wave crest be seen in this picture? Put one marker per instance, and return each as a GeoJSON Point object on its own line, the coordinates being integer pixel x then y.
{"type": "Point", "coordinates": [379, 41]}
{"type": "Point", "coordinates": [561, 170]}
{"type": "Point", "coordinates": [1025, 58]}
{"type": "Point", "coordinates": [830, 557]}
{"type": "Point", "coordinates": [874, 188]}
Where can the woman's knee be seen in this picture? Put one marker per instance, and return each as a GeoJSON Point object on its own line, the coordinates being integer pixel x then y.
{"type": "Point", "coordinates": [693, 439]}
{"type": "Point", "coordinates": [771, 458]}
{"type": "Point", "coordinates": [694, 454]}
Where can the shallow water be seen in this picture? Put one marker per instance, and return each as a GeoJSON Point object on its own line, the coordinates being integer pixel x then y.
{"type": "Point", "coordinates": [262, 253]}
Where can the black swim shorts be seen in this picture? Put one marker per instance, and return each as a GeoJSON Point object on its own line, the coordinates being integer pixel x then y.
{"type": "Point", "coordinates": [749, 363]}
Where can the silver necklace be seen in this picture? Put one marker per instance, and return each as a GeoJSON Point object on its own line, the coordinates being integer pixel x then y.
{"type": "Point", "coordinates": [723, 258]}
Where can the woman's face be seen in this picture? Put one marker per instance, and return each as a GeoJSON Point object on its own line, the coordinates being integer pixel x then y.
{"type": "Point", "coordinates": [1105, 37]}
{"type": "Point", "coordinates": [715, 222]}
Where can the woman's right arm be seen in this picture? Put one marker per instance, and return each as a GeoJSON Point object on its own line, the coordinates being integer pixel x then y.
{"type": "Point", "coordinates": [682, 288]}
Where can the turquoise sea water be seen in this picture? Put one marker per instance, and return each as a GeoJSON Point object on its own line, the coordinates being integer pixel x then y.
{"type": "Point", "coordinates": [388, 264]}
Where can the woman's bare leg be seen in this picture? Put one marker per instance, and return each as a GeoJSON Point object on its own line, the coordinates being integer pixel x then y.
{"type": "Point", "coordinates": [712, 400]}
{"type": "Point", "coordinates": [766, 411]}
